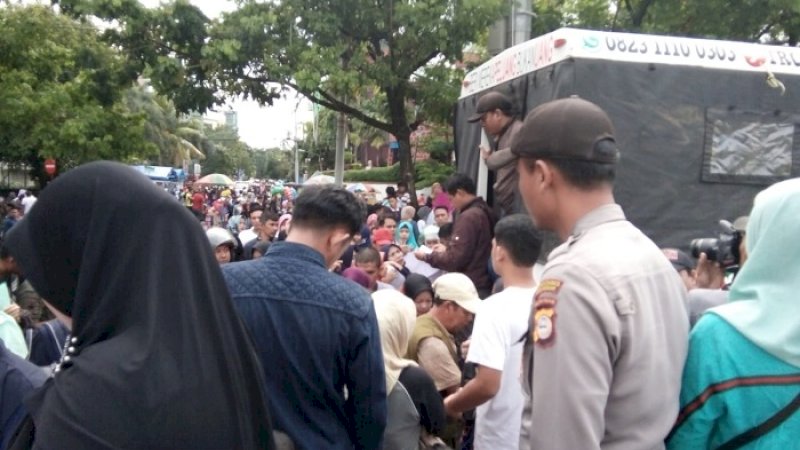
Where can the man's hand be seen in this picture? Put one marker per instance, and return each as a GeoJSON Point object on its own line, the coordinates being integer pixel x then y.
{"type": "Point", "coordinates": [448, 406]}
{"type": "Point", "coordinates": [388, 272]}
{"type": "Point", "coordinates": [420, 255]}
{"type": "Point", "coordinates": [336, 267]}
{"type": "Point", "coordinates": [14, 311]}
{"type": "Point", "coordinates": [709, 274]}
{"type": "Point", "coordinates": [485, 152]}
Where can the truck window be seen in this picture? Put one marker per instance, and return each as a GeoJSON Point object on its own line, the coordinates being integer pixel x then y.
{"type": "Point", "coordinates": [748, 147]}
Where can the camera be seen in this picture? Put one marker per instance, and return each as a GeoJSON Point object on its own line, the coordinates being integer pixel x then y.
{"type": "Point", "coordinates": [724, 249]}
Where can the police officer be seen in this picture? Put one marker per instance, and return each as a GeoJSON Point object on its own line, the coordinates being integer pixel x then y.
{"type": "Point", "coordinates": [608, 326]}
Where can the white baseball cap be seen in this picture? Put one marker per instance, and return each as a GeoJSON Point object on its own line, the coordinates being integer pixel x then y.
{"type": "Point", "coordinates": [457, 288]}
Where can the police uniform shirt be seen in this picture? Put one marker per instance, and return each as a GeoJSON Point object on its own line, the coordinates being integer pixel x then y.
{"type": "Point", "coordinates": [607, 342]}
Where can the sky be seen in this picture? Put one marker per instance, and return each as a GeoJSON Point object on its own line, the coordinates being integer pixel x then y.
{"type": "Point", "coordinates": [259, 127]}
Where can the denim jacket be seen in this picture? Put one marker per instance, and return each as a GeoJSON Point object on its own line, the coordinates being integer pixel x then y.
{"type": "Point", "coordinates": [317, 337]}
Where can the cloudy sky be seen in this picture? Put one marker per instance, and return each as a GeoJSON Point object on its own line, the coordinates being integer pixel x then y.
{"type": "Point", "coordinates": [259, 127]}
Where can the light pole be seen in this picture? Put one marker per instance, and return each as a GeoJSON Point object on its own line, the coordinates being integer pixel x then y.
{"type": "Point", "coordinates": [293, 142]}
{"type": "Point", "coordinates": [521, 16]}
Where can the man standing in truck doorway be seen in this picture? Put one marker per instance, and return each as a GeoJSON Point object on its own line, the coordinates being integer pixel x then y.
{"type": "Point", "coordinates": [496, 114]}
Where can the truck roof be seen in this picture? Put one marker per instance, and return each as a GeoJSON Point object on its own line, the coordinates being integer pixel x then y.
{"type": "Point", "coordinates": [569, 43]}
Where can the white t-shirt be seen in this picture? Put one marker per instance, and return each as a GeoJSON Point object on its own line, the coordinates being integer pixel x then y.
{"type": "Point", "coordinates": [27, 203]}
{"type": "Point", "coordinates": [247, 235]}
{"type": "Point", "coordinates": [501, 321]}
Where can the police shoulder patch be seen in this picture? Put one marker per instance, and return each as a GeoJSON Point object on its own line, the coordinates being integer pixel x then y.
{"type": "Point", "coordinates": [543, 314]}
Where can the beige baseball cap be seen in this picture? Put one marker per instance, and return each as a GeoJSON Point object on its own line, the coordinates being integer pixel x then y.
{"type": "Point", "coordinates": [457, 288]}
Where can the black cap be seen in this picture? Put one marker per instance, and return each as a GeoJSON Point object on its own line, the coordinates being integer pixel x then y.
{"type": "Point", "coordinates": [490, 102]}
{"type": "Point", "coordinates": [569, 128]}
{"type": "Point", "coordinates": [680, 260]}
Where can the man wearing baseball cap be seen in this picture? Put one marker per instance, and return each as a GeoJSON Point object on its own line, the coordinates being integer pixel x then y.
{"type": "Point", "coordinates": [608, 328]}
{"type": "Point", "coordinates": [455, 302]}
{"type": "Point", "coordinates": [495, 112]}
{"type": "Point", "coordinates": [683, 264]}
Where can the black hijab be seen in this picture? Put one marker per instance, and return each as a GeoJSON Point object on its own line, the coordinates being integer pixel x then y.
{"type": "Point", "coordinates": [159, 358]}
{"type": "Point", "coordinates": [416, 284]}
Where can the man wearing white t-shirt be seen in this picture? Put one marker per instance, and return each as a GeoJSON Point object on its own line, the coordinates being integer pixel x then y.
{"type": "Point", "coordinates": [28, 201]}
{"type": "Point", "coordinates": [496, 344]}
{"type": "Point", "coordinates": [252, 233]}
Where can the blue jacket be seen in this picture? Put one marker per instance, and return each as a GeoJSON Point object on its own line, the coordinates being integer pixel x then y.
{"type": "Point", "coordinates": [316, 334]}
{"type": "Point", "coordinates": [17, 379]}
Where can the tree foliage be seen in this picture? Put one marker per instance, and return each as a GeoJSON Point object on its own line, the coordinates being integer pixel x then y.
{"type": "Point", "coordinates": [185, 138]}
{"type": "Point", "coordinates": [771, 21]}
{"type": "Point", "coordinates": [179, 140]}
{"type": "Point", "coordinates": [167, 44]}
{"type": "Point", "coordinates": [60, 93]}
{"type": "Point", "coordinates": [325, 49]}
{"type": "Point", "coordinates": [272, 164]}
{"type": "Point", "coordinates": [229, 155]}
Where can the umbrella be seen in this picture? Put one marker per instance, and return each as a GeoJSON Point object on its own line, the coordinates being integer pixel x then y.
{"type": "Point", "coordinates": [318, 179]}
{"type": "Point", "coordinates": [215, 179]}
{"type": "Point", "coordinates": [358, 187]}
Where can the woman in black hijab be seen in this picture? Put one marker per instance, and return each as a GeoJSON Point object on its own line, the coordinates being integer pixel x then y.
{"type": "Point", "coordinates": [158, 357]}
{"type": "Point", "coordinates": [419, 289]}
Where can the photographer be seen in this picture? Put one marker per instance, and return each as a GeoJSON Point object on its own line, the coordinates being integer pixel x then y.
{"type": "Point", "coordinates": [683, 264]}
{"type": "Point", "coordinates": [716, 258]}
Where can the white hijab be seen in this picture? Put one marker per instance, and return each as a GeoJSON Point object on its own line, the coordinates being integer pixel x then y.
{"type": "Point", "coordinates": [396, 318]}
{"type": "Point", "coordinates": [764, 304]}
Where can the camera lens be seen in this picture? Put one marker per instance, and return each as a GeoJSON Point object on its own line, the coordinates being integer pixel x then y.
{"type": "Point", "coordinates": [709, 246]}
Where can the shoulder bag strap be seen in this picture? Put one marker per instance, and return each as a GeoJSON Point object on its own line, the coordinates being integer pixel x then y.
{"type": "Point", "coordinates": [53, 335]}
{"type": "Point", "coordinates": [764, 427]}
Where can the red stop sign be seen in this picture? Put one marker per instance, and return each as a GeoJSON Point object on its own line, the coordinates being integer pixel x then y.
{"type": "Point", "coordinates": [50, 166]}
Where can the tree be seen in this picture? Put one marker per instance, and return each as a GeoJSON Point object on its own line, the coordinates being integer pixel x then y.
{"type": "Point", "coordinates": [272, 164]}
{"type": "Point", "coordinates": [324, 49]}
{"type": "Point", "coordinates": [179, 139]}
{"type": "Point", "coordinates": [60, 93]}
{"type": "Point", "coordinates": [771, 21]}
{"type": "Point", "coordinates": [228, 154]}
{"type": "Point", "coordinates": [328, 49]}
{"type": "Point", "coordinates": [320, 139]}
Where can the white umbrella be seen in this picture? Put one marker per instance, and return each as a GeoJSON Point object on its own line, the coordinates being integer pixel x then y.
{"type": "Point", "coordinates": [358, 187]}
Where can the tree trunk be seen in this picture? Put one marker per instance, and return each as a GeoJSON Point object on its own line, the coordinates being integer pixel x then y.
{"type": "Point", "coordinates": [341, 134]}
{"type": "Point", "coordinates": [402, 132]}
{"type": "Point", "coordinates": [407, 166]}
{"type": "Point", "coordinates": [639, 12]}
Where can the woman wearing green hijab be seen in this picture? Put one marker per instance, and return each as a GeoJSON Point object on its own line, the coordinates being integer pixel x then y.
{"type": "Point", "coordinates": [741, 383]}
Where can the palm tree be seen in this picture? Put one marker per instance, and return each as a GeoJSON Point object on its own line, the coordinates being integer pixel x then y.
{"type": "Point", "coordinates": [177, 138]}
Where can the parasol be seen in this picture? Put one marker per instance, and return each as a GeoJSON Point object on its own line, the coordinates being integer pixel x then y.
{"type": "Point", "coordinates": [215, 179]}
{"type": "Point", "coordinates": [356, 188]}
{"type": "Point", "coordinates": [318, 179]}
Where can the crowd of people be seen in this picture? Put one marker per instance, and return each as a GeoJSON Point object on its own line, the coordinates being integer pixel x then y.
{"type": "Point", "coordinates": [313, 320]}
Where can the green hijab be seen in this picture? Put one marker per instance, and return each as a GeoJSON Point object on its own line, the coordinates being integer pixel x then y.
{"type": "Point", "coordinates": [765, 296]}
